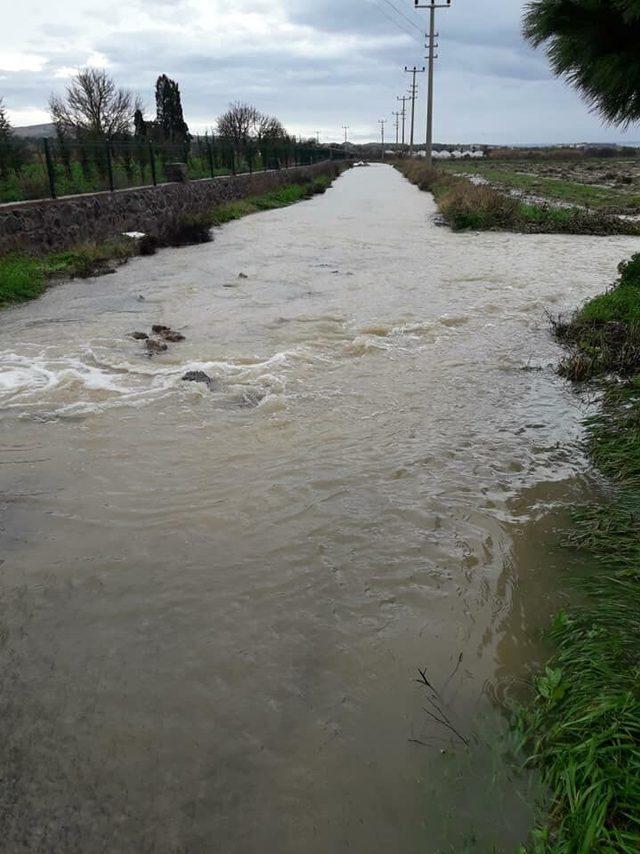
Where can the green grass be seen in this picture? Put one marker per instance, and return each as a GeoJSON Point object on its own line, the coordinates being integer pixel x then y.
{"type": "Point", "coordinates": [24, 277]}
{"type": "Point", "coordinates": [583, 727]}
{"type": "Point", "coordinates": [280, 198]}
{"type": "Point", "coordinates": [603, 336]}
{"type": "Point", "coordinates": [21, 278]}
{"type": "Point", "coordinates": [470, 207]}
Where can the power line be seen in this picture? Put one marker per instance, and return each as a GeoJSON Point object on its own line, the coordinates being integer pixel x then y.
{"type": "Point", "coordinates": [395, 22]}
{"type": "Point", "coordinates": [402, 15]}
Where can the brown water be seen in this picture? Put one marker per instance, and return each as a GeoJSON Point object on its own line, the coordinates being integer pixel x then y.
{"type": "Point", "coordinates": [213, 605]}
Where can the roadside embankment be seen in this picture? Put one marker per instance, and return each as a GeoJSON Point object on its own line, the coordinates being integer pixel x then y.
{"type": "Point", "coordinates": [583, 727]}
{"type": "Point", "coordinates": [25, 275]}
{"type": "Point", "coordinates": [479, 207]}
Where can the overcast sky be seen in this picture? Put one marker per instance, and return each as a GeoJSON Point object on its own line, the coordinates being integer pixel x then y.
{"type": "Point", "coordinates": [316, 64]}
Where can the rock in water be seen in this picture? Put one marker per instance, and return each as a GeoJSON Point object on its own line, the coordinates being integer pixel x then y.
{"type": "Point", "coordinates": [201, 377]}
{"type": "Point", "coordinates": [167, 333]}
{"type": "Point", "coordinates": [154, 346]}
{"type": "Point", "coordinates": [139, 336]}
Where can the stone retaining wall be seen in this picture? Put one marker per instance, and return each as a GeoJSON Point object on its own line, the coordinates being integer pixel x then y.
{"type": "Point", "coordinates": [51, 224]}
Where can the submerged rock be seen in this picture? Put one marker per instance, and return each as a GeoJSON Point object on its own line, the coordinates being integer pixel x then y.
{"type": "Point", "coordinates": [155, 346]}
{"type": "Point", "coordinates": [201, 377]}
{"type": "Point", "coordinates": [139, 336]}
{"type": "Point", "coordinates": [167, 333]}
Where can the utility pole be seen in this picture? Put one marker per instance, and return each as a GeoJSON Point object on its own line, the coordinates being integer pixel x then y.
{"type": "Point", "coordinates": [431, 6]}
{"type": "Point", "coordinates": [382, 123]}
{"type": "Point", "coordinates": [404, 100]}
{"type": "Point", "coordinates": [345, 128]}
{"type": "Point", "coordinates": [414, 91]}
{"type": "Point", "coordinates": [397, 115]}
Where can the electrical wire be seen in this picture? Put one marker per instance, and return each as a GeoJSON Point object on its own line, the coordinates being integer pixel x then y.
{"type": "Point", "coordinates": [395, 21]}
{"type": "Point", "coordinates": [406, 17]}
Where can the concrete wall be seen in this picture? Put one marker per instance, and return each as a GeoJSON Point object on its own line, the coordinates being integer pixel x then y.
{"type": "Point", "coordinates": [50, 224]}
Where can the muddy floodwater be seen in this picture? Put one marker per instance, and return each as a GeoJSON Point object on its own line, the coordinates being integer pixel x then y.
{"type": "Point", "coordinates": [214, 603]}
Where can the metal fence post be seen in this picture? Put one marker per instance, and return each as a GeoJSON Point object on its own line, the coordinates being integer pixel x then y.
{"type": "Point", "coordinates": [152, 161]}
{"type": "Point", "coordinates": [109, 165]}
{"type": "Point", "coordinates": [50, 171]}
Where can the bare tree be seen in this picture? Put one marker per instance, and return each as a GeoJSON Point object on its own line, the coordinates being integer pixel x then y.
{"type": "Point", "coordinates": [270, 128]}
{"type": "Point", "coordinates": [93, 106]}
{"type": "Point", "coordinates": [238, 124]}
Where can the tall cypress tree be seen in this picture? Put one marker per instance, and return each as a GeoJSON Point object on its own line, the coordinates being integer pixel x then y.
{"type": "Point", "coordinates": [169, 117]}
{"type": "Point", "coordinates": [139, 125]}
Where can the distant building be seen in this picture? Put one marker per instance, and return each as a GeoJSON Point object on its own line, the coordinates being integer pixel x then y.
{"type": "Point", "coordinates": [457, 154]}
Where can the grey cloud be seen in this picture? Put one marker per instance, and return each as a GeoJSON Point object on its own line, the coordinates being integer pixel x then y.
{"type": "Point", "coordinates": [489, 83]}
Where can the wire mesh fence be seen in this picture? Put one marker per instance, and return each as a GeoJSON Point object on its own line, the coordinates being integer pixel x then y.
{"type": "Point", "coordinates": [49, 168]}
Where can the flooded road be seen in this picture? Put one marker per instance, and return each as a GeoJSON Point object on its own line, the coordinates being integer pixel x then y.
{"type": "Point", "coordinates": [213, 605]}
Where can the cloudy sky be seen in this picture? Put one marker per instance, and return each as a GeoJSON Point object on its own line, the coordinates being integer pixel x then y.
{"type": "Point", "coordinates": [316, 64]}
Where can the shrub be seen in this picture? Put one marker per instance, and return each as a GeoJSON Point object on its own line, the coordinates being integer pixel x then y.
{"type": "Point", "coordinates": [466, 206]}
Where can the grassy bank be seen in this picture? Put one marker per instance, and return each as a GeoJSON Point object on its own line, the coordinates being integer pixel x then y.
{"type": "Point", "coordinates": [478, 207]}
{"type": "Point", "coordinates": [24, 277]}
{"type": "Point", "coordinates": [583, 727]}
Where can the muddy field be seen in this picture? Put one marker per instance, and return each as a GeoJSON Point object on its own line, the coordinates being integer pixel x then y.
{"type": "Point", "coordinates": [607, 184]}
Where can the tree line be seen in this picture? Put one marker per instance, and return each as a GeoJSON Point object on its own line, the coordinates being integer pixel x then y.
{"type": "Point", "coordinates": [95, 111]}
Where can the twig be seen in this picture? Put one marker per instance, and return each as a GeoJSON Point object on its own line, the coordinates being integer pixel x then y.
{"type": "Point", "coordinates": [457, 667]}
{"type": "Point", "coordinates": [448, 726]}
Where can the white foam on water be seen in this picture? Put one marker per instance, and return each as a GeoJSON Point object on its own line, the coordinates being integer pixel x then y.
{"type": "Point", "coordinates": [100, 377]}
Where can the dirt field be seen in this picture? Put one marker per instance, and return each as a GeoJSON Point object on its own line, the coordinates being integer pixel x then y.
{"type": "Point", "coordinates": [609, 185]}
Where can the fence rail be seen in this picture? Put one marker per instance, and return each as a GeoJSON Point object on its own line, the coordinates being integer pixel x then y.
{"type": "Point", "coordinates": [48, 168]}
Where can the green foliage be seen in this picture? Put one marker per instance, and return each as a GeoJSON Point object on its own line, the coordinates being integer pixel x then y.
{"type": "Point", "coordinates": [594, 45]}
{"type": "Point", "coordinates": [604, 335]}
{"type": "Point", "coordinates": [169, 116]}
{"type": "Point", "coordinates": [12, 149]}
